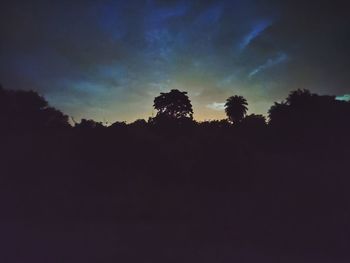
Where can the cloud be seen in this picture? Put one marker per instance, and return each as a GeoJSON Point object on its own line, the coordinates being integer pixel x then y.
{"type": "Point", "coordinates": [217, 106]}
{"type": "Point", "coordinates": [280, 58]}
{"type": "Point", "coordinates": [345, 97]}
{"type": "Point", "coordinates": [111, 54]}
{"type": "Point", "coordinates": [254, 33]}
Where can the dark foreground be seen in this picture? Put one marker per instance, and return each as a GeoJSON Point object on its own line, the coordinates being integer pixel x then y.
{"type": "Point", "coordinates": [125, 196]}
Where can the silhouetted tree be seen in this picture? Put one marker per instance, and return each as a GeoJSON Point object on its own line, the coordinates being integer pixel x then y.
{"type": "Point", "coordinates": [174, 109]}
{"type": "Point", "coordinates": [139, 124]}
{"type": "Point", "coordinates": [88, 124]}
{"type": "Point", "coordinates": [300, 97]}
{"type": "Point", "coordinates": [174, 104]}
{"type": "Point", "coordinates": [215, 124]}
{"type": "Point", "coordinates": [279, 114]}
{"type": "Point", "coordinates": [55, 119]}
{"type": "Point", "coordinates": [236, 108]}
{"type": "Point", "coordinates": [254, 121]}
{"type": "Point", "coordinates": [27, 110]}
{"type": "Point", "coordinates": [304, 114]}
{"type": "Point", "coordinates": [118, 125]}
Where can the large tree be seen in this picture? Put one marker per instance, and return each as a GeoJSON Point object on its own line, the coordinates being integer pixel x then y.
{"type": "Point", "coordinates": [307, 112]}
{"type": "Point", "coordinates": [174, 105]}
{"type": "Point", "coordinates": [236, 108]}
{"type": "Point", "coordinates": [27, 110]}
{"type": "Point", "coordinates": [279, 114]}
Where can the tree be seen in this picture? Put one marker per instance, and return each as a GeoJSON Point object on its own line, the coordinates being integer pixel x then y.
{"type": "Point", "coordinates": [299, 107]}
{"type": "Point", "coordinates": [174, 110]}
{"type": "Point", "coordinates": [304, 114]}
{"type": "Point", "coordinates": [27, 110]}
{"type": "Point", "coordinates": [215, 124]}
{"type": "Point", "coordinates": [279, 114]}
{"type": "Point", "coordinates": [118, 125]}
{"type": "Point", "coordinates": [88, 125]}
{"type": "Point", "coordinates": [138, 124]}
{"type": "Point", "coordinates": [300, 97]}
{"type": "Point", "coordinates": [254, 121]}
{"type": "Point", "coordinates": [174, 105]}
{"type": "Point", "coordinates": [236, 108]}
{"type": "Point", "coordinates": [54, 119]}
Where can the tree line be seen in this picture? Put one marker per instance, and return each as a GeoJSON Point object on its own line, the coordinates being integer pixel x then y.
{"type": "Point", "coordinates": [301, 110]}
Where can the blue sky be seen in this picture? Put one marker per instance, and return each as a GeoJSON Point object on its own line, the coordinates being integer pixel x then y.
{"type": "Point", "coordinates": [107, 60]}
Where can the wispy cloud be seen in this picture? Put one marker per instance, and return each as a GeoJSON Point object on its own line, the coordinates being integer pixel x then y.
{"type": "Point", "coordinates": [345, 97]}
{"type": "Point", "coordinates": [280, 58]}
{"type": "Point", "coordinates": [254, 33]}
{"type": "Point", "coordinates": [218, 106]}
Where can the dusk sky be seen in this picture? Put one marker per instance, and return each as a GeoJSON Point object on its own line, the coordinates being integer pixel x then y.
{"type": "Point", "coordinates": [107, 60]}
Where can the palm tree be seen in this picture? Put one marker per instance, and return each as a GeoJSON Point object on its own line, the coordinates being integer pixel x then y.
{"type": "Point", "coordinates": [236, 108]}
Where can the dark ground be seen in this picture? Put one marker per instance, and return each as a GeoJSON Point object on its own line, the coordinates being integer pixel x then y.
{"type": "Point", "coordinates": [139, 196]}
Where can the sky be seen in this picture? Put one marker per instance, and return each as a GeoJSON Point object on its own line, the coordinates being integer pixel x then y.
{"type": "Point", "coordinates": [107, 60]}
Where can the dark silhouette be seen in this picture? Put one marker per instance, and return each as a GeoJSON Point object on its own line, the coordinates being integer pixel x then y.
{"type": "Point", "coordinates": [88, 124]}
{"type": "Point", "coordinates": [279, 115]}
{"type": "Point", "coordinates": [308, 113]}
{"type": "Point", "coordinates": [174, 109]}
{"type": "Point", "coordinates": [27, 110]}
{"type": "Point", "coordinates": [254, 121]}
{"type": "Point", "coordinates": [236, 108]}
{"type": "Point", "coordinates": [139, 124]}
{"type": "Point", "coordinates": [118, 125]}
{"type": "Point", "coordinates": [215, 124]}
{"type": "Point", "coordinates": [174, 104]}
{"type": "Point", "coordinates": [276, 188]}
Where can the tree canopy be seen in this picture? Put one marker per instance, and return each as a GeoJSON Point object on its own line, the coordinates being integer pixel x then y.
{"type": "Point", "coordinates": [303, 110]}
{"type": "Point", "coordinates": [25, 110]}
{"type": "Point", "coordinates": [174, 104]}
{"type": "Point", "coordinates": [236, 108]}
